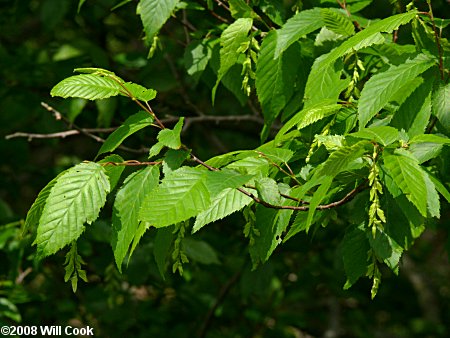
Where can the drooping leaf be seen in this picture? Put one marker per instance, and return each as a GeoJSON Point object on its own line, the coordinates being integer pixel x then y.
{"type": "Point", "coordinates": [154, 14]}
{"type": "Point", "coordinates": [86, 86]}
{"type": "Point", "coordinates": [275, 78]}
{"type": "Point", "coordinates": [75, 199]}
{"type": "Point", "coordinates": [354, 253]}
{"type": "Point", "coordinates": [383, 134]}
{"type": "Point", "coordinates": [197, 56]}
{"type": "Point", "coordinates": [126, 209]}
{"type": "Point", "coordinates": [414, 113]}
{"type": "Point", "coordinates": [268, 190]}
{"type": "Point", "coordinates": [181, 195]}
{"type": "Point", "coordinates": [173, 159]}
{"type": "Point", "coordinates": [200, 251]}
{"type": "Point", "coordinates": [113, 171]}
{"type": "Point", "coordinates": [317, 198]}
{"type": "Point", "coordinates": [230, 41]}
{"type": "Point", "coordinates": [324, 82]}
{"type": "Point", "coordinates": [106, 109]}
{"type": "Point", "coordinates": [441, 104]}
{"type": "Point", "coordinates": [163, 243]}
{"type": "Point", "coordinates": [433, 204]}
{"type": "Point", "coordinates": [240, 9]}
{"type": "Point", "coordinates": [301, 24]}
{"type": "Point", "coordinates": [440, 187]}
{"type": "Point", "coordinates": [308, 116]}
{"type": "Point", "coordinates": [407, 174]}
{"type": "Point", "coordinates": [386, 249]}
{"type": "Point", "coordinates": [131, 125]}
{"type": "Point", "coordinates": [380, 88]}
{"type": "Point", "coordinates": [337, 22]}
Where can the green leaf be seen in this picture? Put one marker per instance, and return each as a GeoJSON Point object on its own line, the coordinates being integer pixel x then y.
{"type": "Point", "coordinates": [106, 109]}
{"type": "Point", "coordinates": [381, 134]}
{"type": "Point", "coordinates": [131, 125]}
{"type": "Point", "coordinates": [337, 22]}
{"type": "Point", "coordinates": [170, 138]}
{"type": "Point", "coordinates": [324, 82]}
{"type": "Point", "coordinates": [381, 87]}
{"type": "Point", "coordinates": [408, 175]}
{"type": "Point", "coordinates": [113, 171]}
{"type": "Point", "coordinates": [200, 251]}
{"type": "Point", "coordinates": [154, 14]}
{"type": "Point", "coordinates": [72, 266]}
{"type": "Point", "coordinates": [140, 92]}
{"type": "Point", "coordinates": [424, 152]}
{"type": "Point", "coordinates": [197, 55]}
{"type": "Point", "coordinates": [75, 199]}
{"type": "Point", "coordinates": [86, 86]}
{"type": "Point", "coordinates": [181, 195]}
{"type": "Point", "coordinates": [299, 25]}
{"type": "Point", "coordinates": [268, 190]}
{"type": "Point", "coordinates": [162, 245]}
{"type": "Point", "coordinates": [240, 9]}
{"type": "Point", "coordinates": [275, 78]}
{"type": "Point", "coordinates": [440, 187]}
{"type": "Point", "coordinates": [230, 41]}
{"type": "Point", "coordinates": [441, 104]}
{"type": "Point", "coordinates": [126, 208]}
{"type": "Point", "coordinates": [354, 253]}
{"type": "Point", "coordinates": [308, 116]}
{"type": "Point", "coordinates": [173, 159]}
{"type": "Point", "coordinates": [35, 212]}
{"type": "Point", "coordinates": [217, 181]}
{"type": "Point", "coordinates": [414, 113]}
{"type": "Point", "coordinates": [224, 204]}
{"type": "Point", "coordinates": [386, 249]}
{"type": "Point", "coordinates": [341, 159]}
{"type": "Point", "coordinates": [433, 203]}
{"type": "Point", "coordinates": [317, 198]}
{"type": "Point", "coordinates": [430, 138]}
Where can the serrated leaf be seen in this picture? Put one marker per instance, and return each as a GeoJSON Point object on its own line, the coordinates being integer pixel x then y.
{"type": "Point", "coordinates": [162, 245]}
{"type": "Point", "coordinates": [197, 55]}
{"type": "Point", "coordinates": [224, 204]}
{"type": "Point", "coordinates": [217, 181]}
{"type": "Point", "coordinates": [317, 198]}
{"type": "Point", "coordinates": [154, 14]}
{"type": "Point", "coordinates": [35, 212]}
{"type": "Point", "coordinates": [173, 159]}
{"type": "Point", "coordinates": [408, 175]}
{"type": "Point", "coordinates": [337, 22]}
{"type": "Point", "coordinates": [386, 249]}
{"type": "Point", "coordinates": [430, 138]}
{"type": "Point", "coordinates": [113, 171]}
{"type": "Point", "coordinates": [441, 104]}
{"type": "Point", "coordinates": [126, 208]}
{"type": "Point", "coordinates": [324, 82]}
{"type": "Point", "coordinates": [354, 253]}
{"type": "Point", "coordinates": [200, 251]}
{"type": "Point", "coordinates": [433, 203]}
{"type": "Point", "coordinates": [75, 199]}
{"type": "Point", "coordinates": [299, 25]}
{"type": "Point", "coordinates": [86, 86]}
{"type": "Point", "coordinates": [268, 190]}
{"type": "Point", "coordinates": [131, 125]}
{"type": "Point", "coordinates": [140, 92]}
{"type": "Point", "coordinates": [275, 78]}
{"type": "Point", "coordinates": [240, 9]}
{"type": "Point", "coordinates": [181, 195]}
{"type": "Point", "coordinates": [382, 134]}
{"type": "Point", "coordinates": [308, 116]}
{"type": "Point", "coordinates": [380, 88]}
{"type": "Point", "coordinates": [340, 159]}
{"type": "Point", "coordinates": [414, 113]}
{"type": "Point", "coordinates": [170, 138]}
{"type": "Point", "coordinates": [440, 187]}
{"type": "Point", "coordinates": [230, 41]}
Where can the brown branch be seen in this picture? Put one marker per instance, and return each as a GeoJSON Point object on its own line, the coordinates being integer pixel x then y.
{"type": "Point", "coordinates": [343, 5]}
{"type": "Point", "coordinates": [438, 43]}
{"type": "Point", "coordinates": [130, 163]}
{"type": "Point", "coordinates": [61, 134]}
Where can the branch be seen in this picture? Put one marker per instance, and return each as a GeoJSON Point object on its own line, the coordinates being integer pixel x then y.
{"type": "Point", "coordinates": [438, 43]}
{"type": "Point", "coordinates": [61, 134]}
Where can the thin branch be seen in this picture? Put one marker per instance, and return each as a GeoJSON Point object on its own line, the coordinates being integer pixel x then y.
{"type": "Point", "coordinates": [62, 134]}
{"type": "Point", "coordinates": [438, 43]}
{"type": "Point", "coordinates": [131, 163]}
{"type": "Point", "coordinates": [343, 5]}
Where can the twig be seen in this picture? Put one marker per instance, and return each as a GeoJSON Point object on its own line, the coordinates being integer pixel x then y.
{"type": "Point", "coordinates": [436, 36]}
{"type": "Point", "coordinates": [219, 299]}
{"type": "Point", "coordinates": [343, 5]}
{"type": "Point", "coordinates": [61, 134]}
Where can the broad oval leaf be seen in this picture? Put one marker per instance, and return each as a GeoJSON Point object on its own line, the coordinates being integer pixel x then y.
{"type": "Point", "coordinates": [382, 134]}
{"type": "Point", "coordinates": [126, 209]}
{"type": "Point", "coordinates": [86, 86]}
{"type": "Point", "coordinates": [75, 199]}
{"type": "Point", "coordinates": [181, 195]}
{"type": "Point", "coordinates": [154, 14]}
